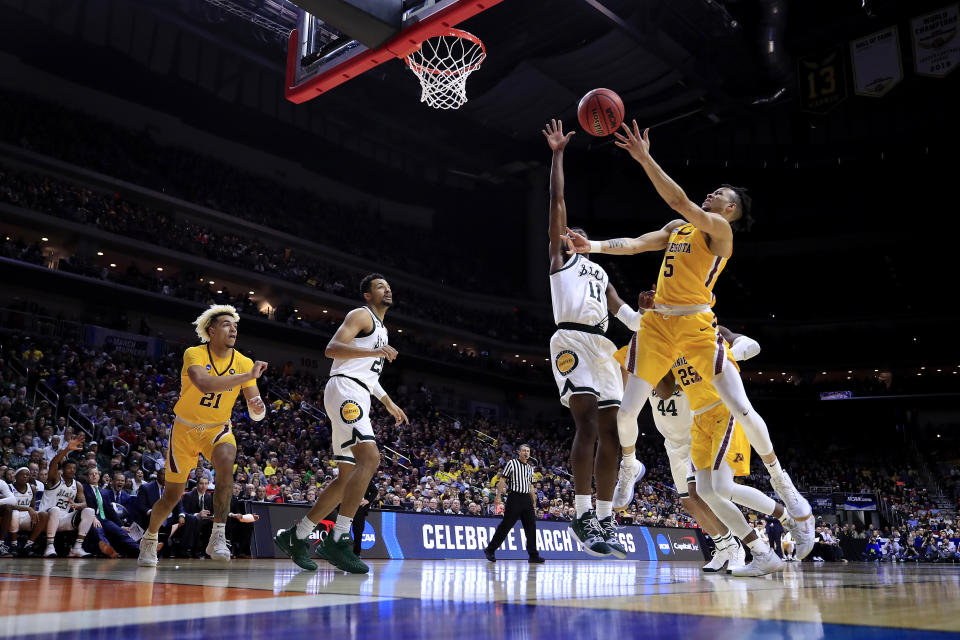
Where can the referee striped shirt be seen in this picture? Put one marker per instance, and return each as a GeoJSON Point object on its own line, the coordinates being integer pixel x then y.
{"type": "Point", "coordinates": [518, 476]}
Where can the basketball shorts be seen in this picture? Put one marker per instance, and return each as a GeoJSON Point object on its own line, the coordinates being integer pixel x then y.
{"type": "Point", "coordinates": [583, 363]}
{"type": "Point", "coordinates": [661, 340]}
{"type": "Point", "coordinates": [21, 521]}
{"type": "Point", "coordinates": [348, 406]}
{"type": "Point", "coordinates": [716, 437]}
{"type": "Point", "coordinates": [69, 520]}
{"type": "Point", "coordinates": [188, 441]}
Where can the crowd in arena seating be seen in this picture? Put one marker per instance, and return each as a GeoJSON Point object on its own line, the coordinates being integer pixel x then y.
{"type": "Point", "coordinates": [436, 464]}
{"type": "Point", "coordinates": [118, 215]}
{"type": "Point", "coordinates": [136, 157]}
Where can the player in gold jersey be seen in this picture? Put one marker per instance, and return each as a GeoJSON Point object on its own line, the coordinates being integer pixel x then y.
{"type": "Point", "coordinates": [696, 250]}
{"type": "Point", "coordinates": [213, 375]}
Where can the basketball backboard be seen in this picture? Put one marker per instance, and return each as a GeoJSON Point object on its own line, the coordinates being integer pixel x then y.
{"type": "Point", "coordinates": [321, 56]}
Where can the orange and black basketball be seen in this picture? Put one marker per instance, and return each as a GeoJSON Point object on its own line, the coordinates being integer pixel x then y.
{"type": "Point", "coordinates": [600, 112]}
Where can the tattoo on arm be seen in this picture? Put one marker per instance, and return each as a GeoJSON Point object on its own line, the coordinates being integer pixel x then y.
{"type": "Point", "coordinates": [616, 242]}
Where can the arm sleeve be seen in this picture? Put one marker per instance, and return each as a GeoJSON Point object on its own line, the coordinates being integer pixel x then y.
{"type": "Point", "coordinates": [744, 348]}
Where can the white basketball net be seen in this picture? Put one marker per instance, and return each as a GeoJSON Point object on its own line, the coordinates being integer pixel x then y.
{"type": "Point", "coordinates": [443, 65]}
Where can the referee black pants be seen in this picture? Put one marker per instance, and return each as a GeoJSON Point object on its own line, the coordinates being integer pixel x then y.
{"type": "Point", "coordinates": [519, 507]}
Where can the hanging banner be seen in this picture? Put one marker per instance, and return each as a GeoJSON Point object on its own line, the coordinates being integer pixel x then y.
{"type": "Point", "coordinates": [822, 78]}
{"type": "Point", "coordinates": [936, 47]}
{"type": "Point", "coordinates": [876, 63]}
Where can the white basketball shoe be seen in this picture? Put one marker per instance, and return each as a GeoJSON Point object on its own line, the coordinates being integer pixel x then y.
{"type": "Point", "coordinates": [761, 565]}
{"type": "Point", "coordinates": [627, 481]}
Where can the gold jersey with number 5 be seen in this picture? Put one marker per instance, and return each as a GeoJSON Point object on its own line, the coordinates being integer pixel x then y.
{"type": "Point", "coordinates": [197, 407]}
{"type": "Point", "coordinates": [682, 322]}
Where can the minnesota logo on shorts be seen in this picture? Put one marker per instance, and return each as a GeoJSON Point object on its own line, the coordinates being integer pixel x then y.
{"type": "Point", "coordinates": [566, 362]}
{"type": "Point", "coordinates": [716, 437]}
{"type": "Point", "coordinates": [350, 412]}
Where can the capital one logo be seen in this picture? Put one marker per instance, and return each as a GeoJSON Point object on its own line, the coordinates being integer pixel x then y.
{"type": "Point", "coordinates": [686, 543]}
{"type": "Point", "coordinates": [663, 544]}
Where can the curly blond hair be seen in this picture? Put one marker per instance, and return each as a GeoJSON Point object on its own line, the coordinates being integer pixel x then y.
{"type": "Point", "coordinates": [206, 318]}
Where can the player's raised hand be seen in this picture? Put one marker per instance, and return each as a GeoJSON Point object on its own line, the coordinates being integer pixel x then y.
{"type": "Point", "coordinates": [553, 132]}
{"type": "Point", "coordinates": [645, 299]}
{"type": "Point", "coordinates": [638, 145]}
{"type": "Point", "coordinates": [76, 444]}
{"type": "Point", "coordinates": [397, 413]}
{"type": "Point", "coordinates": [575, 242]}
{"type": "Point", "coordinates": [258, 368]}
{"type": "Point", "coordinates": [386, 351]}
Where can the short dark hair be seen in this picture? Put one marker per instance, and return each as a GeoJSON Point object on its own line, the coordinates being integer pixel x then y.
{"type": "Point", "coordinates": [367, 282]}
{"type": "Point", "coordinates": [66, 462]}
{"type": "Point", "coordinates": [744, 201]}
{"type": "Point", "coordinates": [581, 231]}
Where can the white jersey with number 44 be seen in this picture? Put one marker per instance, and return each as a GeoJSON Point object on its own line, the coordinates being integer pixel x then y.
{"type": "Point", "coordinates": [579, 292]}
{"type": "Point", "coordinates": [366, 370]}
{"type": "Point", "coordinates": [672, 416]}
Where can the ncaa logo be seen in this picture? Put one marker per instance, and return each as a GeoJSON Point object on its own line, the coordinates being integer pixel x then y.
{"type": "Point", "coordinates": [369, 537]}
{"type": "Point", "coordinates": [566, 362]}
{"type": "Point", "coordinates": [663, 544]}
{"type": "Point", "coordinates": [208, 367]}
{"type": "Point", "coordinates": [350, 412]}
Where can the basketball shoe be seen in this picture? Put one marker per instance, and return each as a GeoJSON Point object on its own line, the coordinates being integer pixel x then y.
{"type": "Point", "coordinates": [588, 531]}
{"type": "Point", "coordinates": [297, 549]}
{"type": "Point", "coordinates": [340, 554]}
{"type": "Point", "coordinates": [796, 505]}
{"type": "Point", "coordinates": [761, 565]}
{"type": "Point", "coordinates": [803, 535]}
{"type": "Point", "coordinates": [609, 527]}
{"type": "Point", "coordinates": [726, 559]}
{"type": "Point", "coordinates": [627, 481]}
{"type": "Point", "coordinates": [218, 548]}
{"type": "Point", "coordinates": [148, 552]}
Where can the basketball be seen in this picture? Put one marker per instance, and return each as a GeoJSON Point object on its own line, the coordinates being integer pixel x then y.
{"type": "Point", "coordinates": [600, 112]}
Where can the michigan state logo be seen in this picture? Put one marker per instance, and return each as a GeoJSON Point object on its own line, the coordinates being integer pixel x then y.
{"type": "Point", "coordinates": [566, 361]}
{"type": "Point", "coordinates": [350, 411]}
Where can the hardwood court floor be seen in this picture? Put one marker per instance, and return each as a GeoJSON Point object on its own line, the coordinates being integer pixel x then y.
{"type": "Point", "coordinates": [464, 599]}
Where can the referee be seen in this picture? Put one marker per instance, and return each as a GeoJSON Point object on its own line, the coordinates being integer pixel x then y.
{"type": "Point", "coordinates": [520, 501]}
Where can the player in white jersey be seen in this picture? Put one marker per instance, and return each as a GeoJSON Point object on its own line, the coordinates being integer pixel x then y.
{"type": "Point", "coordinates": [359, 350]}
{"type": "Point", "coordinates": [65, 504]}
{"type": "Point", "coordinates": [587, 377]}
{"type": "Point", "coordinates": [17, 512]}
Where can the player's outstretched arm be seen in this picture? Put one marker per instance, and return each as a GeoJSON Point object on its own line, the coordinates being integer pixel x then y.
{"type": "Point", "coordinates": [357, 321]}
{"type": "Point", "coordinates": [53, 474]}
{"type": "Point", "coordinates": [742, 347]}
{"type": "Point", "coordinates": [653, 241]}
{"type": "Point", "coordinates": [557, 142]}
{"type": "Point", "coordinates": [638, 145]}
{"type": "Point", "coordinates": [207, 383]}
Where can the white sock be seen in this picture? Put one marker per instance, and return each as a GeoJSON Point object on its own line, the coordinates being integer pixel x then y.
{"type": "Point", "coordinates": [304, 528]}
{"type": "Point", "coordinates": [342, 528]}
{"type": "Point", "coordinates": [758, 547]}
{"type": "Point", "coordinates": [786, 520]}
{"type": "Point", "coordinates": [774, 469]}
{"type": "Point", "coordinates": [722, 542]}
{"type": "Point", "coordinates": [220, 526]}
{"type": "Point", "coordinates": [582, 504]}
{"type": "Point", "coordinates": [629, 459]}
{"type": "Point", "coordinates": [604, 509]}
{"type": "Point", "coordinates": [150, 536]}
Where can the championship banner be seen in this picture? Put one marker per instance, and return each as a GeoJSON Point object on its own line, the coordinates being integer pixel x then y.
{"type": "Point", "coordinates": [936, 48]}
{"type": "Point", "coordinates": [398, 535]}
{"type": "Point", "coordinates": [143, 346]}
{"type": "Point", "coordinates": [823, 83]}
{"type": "Point", "coordinates": [876, 63]}
{"type": "Point", "coordinates": [859, 502]}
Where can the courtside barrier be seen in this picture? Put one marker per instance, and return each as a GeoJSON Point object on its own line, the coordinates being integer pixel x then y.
{"type": "Point", "coordinates": [397, 535]}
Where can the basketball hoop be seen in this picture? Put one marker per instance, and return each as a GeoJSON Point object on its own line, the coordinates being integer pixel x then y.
{"type": "Point", "coordinates": [443, 64]}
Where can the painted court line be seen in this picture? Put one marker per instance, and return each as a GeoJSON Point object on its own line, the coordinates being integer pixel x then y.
{"type": "Point", "coordinates": [30, 624]}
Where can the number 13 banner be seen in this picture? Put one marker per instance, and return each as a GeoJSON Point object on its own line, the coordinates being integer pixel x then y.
{"type": "Point", "coordinates": [876, 63]}
{"type": "Point", "coordinates": [822, 81]}
{"type": "Point", "coordinates": [936, 45]}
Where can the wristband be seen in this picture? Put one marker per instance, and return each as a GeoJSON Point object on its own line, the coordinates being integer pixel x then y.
{"type": "Point", "coordinates": [378, 391]}
{"type": "Point", "coordinates": [629, 317]}
{"type": "Point", "coordinates": [256, 417]}
{"type": "Point", "coordinates": [596, 246]}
